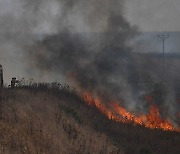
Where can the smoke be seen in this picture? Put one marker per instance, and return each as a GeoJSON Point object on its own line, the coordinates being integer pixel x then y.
{"type": "Point", "coordinates": [89, 48]}
{"type": "Point", "coordinates": [82, 42]}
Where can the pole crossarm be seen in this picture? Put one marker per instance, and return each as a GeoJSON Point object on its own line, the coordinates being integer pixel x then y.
{"type": "Point", "coordinates": [163, 36]}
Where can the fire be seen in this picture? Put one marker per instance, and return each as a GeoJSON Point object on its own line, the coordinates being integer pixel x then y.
{"type": "Point", "coordinates": [119, 114]}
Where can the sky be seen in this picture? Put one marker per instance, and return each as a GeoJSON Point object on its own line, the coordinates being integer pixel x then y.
{"type": "Point", "coordinates": [154, 15]}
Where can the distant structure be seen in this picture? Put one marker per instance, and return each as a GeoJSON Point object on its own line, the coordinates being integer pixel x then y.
{"type": "Point", "coordinates": [1, 76]}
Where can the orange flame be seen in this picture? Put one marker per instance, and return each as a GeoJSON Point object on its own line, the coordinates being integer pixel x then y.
{"type": "Point", "coordinates": [119, 114]}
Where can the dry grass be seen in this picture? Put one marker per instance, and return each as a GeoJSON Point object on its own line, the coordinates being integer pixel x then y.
{"type": "Point", "coordinates": [38, 122]}
{"type": "Point", "coordinates": [42, 120]}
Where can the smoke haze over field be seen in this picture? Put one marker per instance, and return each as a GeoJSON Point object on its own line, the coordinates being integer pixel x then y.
{"type": "Point", "coordinates": [83, 42]}
{"type": "Point", "coordinates": [23, 23]}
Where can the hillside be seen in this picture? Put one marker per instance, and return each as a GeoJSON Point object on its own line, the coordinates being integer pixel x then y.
{"type": "Point", "coordinates": [57, 120]}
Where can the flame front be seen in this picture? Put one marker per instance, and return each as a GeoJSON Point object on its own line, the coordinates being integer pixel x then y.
{"type": "Point", "coordinates": [119, 114]}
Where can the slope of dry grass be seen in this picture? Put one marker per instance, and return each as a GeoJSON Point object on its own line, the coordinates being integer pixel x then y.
{"type": "Point", "coordinates": [38, 122]}
{"type": "Point", "coordinates": [42, 120]}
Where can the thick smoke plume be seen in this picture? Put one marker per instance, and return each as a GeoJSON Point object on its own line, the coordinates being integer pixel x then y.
{"type": "Point", "coordinates": [82, 42]}
{"type": "Point", "coordinates": [98, 60]}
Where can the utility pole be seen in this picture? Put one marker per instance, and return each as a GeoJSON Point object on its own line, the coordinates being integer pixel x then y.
{"type": "Point", "coordinates": [163, 37]}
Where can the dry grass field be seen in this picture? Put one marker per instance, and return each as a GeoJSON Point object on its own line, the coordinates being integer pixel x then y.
{"type": "Point", "coordinates": [42, 120]}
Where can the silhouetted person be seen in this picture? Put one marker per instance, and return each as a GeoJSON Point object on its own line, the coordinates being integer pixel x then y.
{"type": "Point", "coordinates": [13, 82]}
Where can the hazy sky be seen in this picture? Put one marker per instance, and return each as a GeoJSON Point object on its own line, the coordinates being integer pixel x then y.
{"type": "Point", "coordinates": [154, 15]}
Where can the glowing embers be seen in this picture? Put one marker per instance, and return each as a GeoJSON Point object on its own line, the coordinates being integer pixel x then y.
{"type": "Point", "coordinates": [119, 114]}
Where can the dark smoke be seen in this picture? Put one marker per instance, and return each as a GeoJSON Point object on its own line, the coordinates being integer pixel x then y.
{"type": "Point", "coordinates": [102, 62]}
{"type": "Point", "coordinates": [98, 61]}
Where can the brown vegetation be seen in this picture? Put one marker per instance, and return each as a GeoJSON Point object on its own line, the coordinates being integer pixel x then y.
{"type": "Point", "coordinates": [38, 119]}
{"type": "Point", "coordinates": [37, 122]}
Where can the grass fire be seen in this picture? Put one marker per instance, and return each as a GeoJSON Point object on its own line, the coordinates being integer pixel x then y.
{"type": "Point", "coordinates": [119, 114]}
{"type": "Point", "coordinates": [89, 77]}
